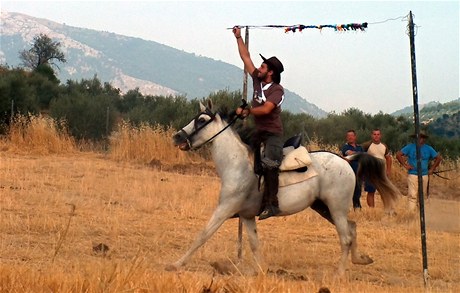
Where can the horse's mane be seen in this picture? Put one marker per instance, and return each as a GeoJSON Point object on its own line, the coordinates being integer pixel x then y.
{"type": "Point", "coordinates": [244, 130]}
{"type": "Point", "coordinates": [226, 114]}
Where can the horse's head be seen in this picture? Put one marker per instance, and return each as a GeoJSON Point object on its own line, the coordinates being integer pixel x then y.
{"type": "Point", "coordinates": [198, 131]}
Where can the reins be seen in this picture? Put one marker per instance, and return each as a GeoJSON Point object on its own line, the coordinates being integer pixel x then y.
{"type": "Point", "coordinates": [213, 116]}
{"type": "Point", "coordinates": [222, 130]}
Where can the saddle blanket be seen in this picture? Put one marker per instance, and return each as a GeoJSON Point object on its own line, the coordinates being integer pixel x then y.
{"type": "Point", "coordinates": [295, 159]}
{"type": "Point", "coordinates": [292, 177]}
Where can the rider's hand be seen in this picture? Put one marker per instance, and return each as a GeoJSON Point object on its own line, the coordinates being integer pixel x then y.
{"type": "Point", "coordinates": [237, 32]}
{"type": "Point", "coordinates": [242, 112]}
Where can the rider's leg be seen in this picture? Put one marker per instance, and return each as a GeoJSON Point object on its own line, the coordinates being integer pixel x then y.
{"type": "Point", "coordinates": [271, 207]}
{"type": "Point", "coordinates": [272, 159]}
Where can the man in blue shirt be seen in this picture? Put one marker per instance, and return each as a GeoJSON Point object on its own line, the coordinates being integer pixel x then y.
{"type": "Point", "coordinates": [350, 148]}
{"type": "Point", "coordinates": [407, 157]}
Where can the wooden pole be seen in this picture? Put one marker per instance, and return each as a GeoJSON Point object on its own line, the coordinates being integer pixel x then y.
{"type": "Point", "coordinates": [245, 97]}
{"type": "Point", "coordinates": [12, 112]}
{"type": "Point", "coordinates": [245, 78]}
{"type": "Point", "coordinates": [419, 161]}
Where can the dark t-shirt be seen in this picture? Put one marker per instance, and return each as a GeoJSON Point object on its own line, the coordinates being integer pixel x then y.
{"type": "Point", "coordinates": [348, 147]}
{"type": "Point", "coordinates": [274, 93]}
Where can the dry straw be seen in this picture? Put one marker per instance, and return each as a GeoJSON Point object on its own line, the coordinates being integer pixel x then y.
{"type": "Point", "coordinates": [40, 135]}
{"type": "Point", "coordinates": [149, 217]}
{"type": "Point", "coordinates": [146, 144]}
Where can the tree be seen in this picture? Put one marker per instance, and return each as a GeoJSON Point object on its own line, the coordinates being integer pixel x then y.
{"type": "Point", "coordinates": [17, 92]}
{"type": "Point", "coordinates": [44, 52]}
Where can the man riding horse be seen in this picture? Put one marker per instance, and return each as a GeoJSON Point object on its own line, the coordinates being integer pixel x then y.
{"type": "Point", "coordinates": [266, 109]}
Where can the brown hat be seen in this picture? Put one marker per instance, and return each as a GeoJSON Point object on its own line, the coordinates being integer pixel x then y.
{"type": "Point", "coordinates": [274, 63]}
{"type": "Point", "coordinates": [422, 135]}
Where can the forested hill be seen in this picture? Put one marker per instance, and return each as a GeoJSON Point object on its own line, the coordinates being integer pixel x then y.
{"type": "Point", "coordinates": [440, 119]}
{"type": "Point", "coordinates": [129, 63]}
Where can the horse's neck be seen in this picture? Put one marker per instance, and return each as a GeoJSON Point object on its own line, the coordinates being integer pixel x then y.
{"type": "Point", "coordinates": [230, 154]}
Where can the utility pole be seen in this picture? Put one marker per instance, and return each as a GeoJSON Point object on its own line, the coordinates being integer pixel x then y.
{"type": "Point", "coordinates": [419, 161]}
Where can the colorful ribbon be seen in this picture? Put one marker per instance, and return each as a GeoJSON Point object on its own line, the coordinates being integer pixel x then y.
{"type": "Point", "coordinates": [300, 27]}
{"type": "Point", "coordinates": [336, 27]}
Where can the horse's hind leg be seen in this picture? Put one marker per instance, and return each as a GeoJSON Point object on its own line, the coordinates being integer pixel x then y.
{"type": "Point", "coordinates": [347, 235]}
{"type": "Point", "coordinates": [346, 240]}
{"type": "Point", "coordinates": [339, 219]}
{"type": "Point", "coordinates": [356, 257]}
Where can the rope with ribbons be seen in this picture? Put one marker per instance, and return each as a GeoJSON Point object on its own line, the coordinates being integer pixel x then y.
{"type": "Point", "coordinates": [301, 27]}
{"type": "Point", "coordinates": [336, 27]}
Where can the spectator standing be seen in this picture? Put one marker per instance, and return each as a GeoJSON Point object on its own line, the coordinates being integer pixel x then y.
{"type": "Point", "coordinates": [349, 148]}
{"type": "Point", "coordinates": [408, 159]}
{"type": "Point", "coordinates": [379, 150]}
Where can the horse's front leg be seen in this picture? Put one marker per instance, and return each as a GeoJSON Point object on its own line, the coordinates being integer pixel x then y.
{"type": "Point", "coordinates": [220, 215]}
{"type": "Point", "coordinates": [251, 229]}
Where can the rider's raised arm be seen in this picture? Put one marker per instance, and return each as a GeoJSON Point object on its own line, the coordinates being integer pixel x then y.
{"type": "Point", "coordinates": [243, 50]}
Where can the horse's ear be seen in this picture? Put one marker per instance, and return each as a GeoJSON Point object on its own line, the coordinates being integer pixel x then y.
{"type": "Point", "coordinates": [202, 107]}
{"type": "Point", "coordinates": [209, 104]}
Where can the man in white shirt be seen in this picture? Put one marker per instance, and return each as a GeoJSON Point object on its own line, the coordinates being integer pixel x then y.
{"type": "Point", "coordinates": [379, 150]}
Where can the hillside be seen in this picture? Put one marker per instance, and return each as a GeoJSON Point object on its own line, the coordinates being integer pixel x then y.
{"type": "Point", "coordinates": [128, 62]}
{"type": "Point", "coordinates": [446, 126]}
{"type": "Point", "coordinates": [440, 119]}
{"type": "Point", "coordinates": [430, 111]}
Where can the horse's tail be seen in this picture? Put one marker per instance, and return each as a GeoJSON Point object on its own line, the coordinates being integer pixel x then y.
{"type": "Point", "coordinates": [372, 169]}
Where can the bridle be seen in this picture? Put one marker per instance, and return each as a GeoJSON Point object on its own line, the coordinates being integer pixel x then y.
{"type": "Point", "coordinates": [198, 127]}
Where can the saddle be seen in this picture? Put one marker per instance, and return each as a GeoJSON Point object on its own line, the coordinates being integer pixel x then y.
{"type": "Point", "coordinates": [295, 156]}
{"type": "Point", "coordinates": [296, 164]}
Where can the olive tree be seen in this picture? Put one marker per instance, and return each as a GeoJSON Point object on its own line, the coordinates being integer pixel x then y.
{"type": "Point", "coordinates": [44, 52]}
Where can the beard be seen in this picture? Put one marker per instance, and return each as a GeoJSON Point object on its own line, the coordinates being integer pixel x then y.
{"type": "Point", "coordinates": [262, 76]}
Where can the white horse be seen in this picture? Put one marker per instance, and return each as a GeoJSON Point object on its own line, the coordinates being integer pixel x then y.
{"type": "Point", "coordinates": [329, 193]}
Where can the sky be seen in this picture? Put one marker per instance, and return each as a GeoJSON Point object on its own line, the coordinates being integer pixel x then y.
{"type": "Point", "coordinates": [368, 70]}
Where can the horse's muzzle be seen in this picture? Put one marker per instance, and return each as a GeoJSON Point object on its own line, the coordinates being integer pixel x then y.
{"type": "Point", "coordinates": [181, 140]}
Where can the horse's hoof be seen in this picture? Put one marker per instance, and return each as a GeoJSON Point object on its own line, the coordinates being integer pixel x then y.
{"type": "Point", "coordinates": [171, 267]}
{"type": "Point", "coordinates": [364, 259]}
{"type": "Point", "coordinates": [367, 260]}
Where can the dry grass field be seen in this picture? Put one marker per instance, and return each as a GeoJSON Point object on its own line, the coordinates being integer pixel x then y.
{"type": "Point", "coordinates": [82, 221]}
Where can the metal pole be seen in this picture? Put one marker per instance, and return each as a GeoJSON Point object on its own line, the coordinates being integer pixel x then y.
{"type": "Point", "coordinates": [245, 97]}
{"type": "Point", "coordinates": [419, 162]}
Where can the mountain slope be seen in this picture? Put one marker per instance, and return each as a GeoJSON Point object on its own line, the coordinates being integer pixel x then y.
{"type": "Point", "coordinates": [440, 119]}
{"type": "Point", "coordinates": [431, 111]}
{"type": "Point", "coordinates": [128, 62]}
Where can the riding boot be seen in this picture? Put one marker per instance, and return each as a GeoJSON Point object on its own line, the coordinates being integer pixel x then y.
{"type": "Point", "coordinates": [270, 200]}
